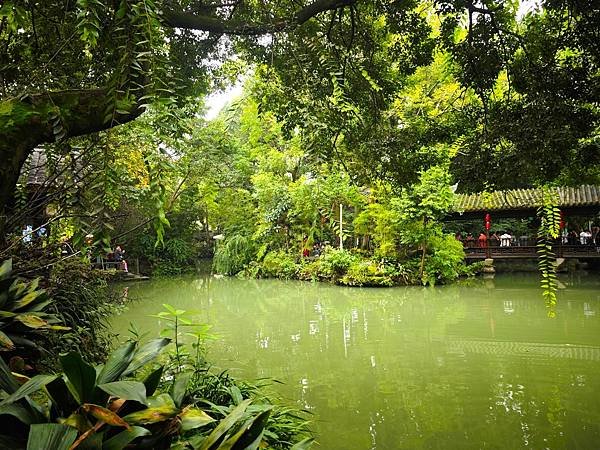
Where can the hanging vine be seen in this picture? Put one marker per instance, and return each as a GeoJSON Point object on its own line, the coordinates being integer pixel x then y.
{"type": "Point", "coordinates": [549, 231]}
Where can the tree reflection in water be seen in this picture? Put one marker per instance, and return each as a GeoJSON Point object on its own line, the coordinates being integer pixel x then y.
{"type": "Point", "coordinates": [472, 365]}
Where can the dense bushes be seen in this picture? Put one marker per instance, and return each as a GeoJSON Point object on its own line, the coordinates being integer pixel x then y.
{"type": "Point", "coordinates": [367, 273]}
{"type": "Point", "coordinates": [23, 311]}
{"type": "Point", "coordinates": [174, 256]}
{"type": "Point", "coordinates": [278, 265]}
{"type": "Point", "coordinates": [234, 254]}
{"type": "Point", "coordinates": [84, 300]}
{"type": "Point", "coordinates": [69, 314]}
{"type": "Point", "coordinates": [443, 263]}
{"type": "Point", "coordinates": [445, 260]}
{"type": "Point", "coordinates": [335, 263]}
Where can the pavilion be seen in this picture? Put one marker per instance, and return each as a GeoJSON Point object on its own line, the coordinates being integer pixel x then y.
{"type": "Point", "coordinates": [519, 203]}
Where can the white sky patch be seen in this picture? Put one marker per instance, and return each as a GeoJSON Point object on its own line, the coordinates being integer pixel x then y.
{"type": "Point", "coordinates": [527, 6]}
{"type": "Point", "coordinates": [217, 100]}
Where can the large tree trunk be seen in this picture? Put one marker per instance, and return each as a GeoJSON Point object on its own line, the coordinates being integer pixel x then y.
{"type": "Point", "coordinates": [32, 120]}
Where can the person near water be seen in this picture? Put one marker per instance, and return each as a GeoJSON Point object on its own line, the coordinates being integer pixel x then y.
{"type": "Point", "coordinates": [482, 240]}
{"type": "Point", "coordinates": [120, 257]}
{"type": "Point", "coordinates": [494, 240]}
{"type": "Point", "coordinates": [470, 241]}
{"type": "Point", "coordinates": [505, 239]}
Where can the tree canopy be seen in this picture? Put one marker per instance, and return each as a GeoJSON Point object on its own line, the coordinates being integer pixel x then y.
{"type": "Point", "coordinates": [375, 84]}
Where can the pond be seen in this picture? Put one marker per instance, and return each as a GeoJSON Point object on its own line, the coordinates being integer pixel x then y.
{"type": "Point", "coordinates": [475, 365]}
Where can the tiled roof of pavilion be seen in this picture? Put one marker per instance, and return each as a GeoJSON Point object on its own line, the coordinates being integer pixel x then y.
{"type": "Point", "coordinates": [524, 199]}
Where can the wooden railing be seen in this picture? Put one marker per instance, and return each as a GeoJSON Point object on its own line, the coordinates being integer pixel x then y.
{"type": "Point", "coordinates": [530, 251]}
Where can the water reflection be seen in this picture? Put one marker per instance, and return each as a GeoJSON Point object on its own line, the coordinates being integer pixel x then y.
{"type": "Point", "coordinates": [474, 365]}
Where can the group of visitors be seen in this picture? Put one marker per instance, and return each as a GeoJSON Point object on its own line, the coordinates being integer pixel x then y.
{"type": "Point", "coordinates": [583, 237]}
{"type": "Point", "coordinates": [507, 239]}
{"type": "Point", "coordinates": [495, 239]}
{"type": "Point", "coordinates": [314, 251]}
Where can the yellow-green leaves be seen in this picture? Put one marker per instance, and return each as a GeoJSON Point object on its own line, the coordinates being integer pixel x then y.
{"type": "Point", "coordinates": [194, 418]}
{"type": "Point", "coordinates": [160, 408]}
{"type": "Point", "coordinates": [104, 415]}
{"type": "Point", "coordinates": [31, 386]}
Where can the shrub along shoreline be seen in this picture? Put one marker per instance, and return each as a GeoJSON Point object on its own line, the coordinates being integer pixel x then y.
{"type": "Point", "coordinates": [355, 268]}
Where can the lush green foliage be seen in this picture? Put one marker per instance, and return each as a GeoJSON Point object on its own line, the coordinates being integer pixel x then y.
{"type": "Point", "coordinates": [23, 311]}
{"type": "Point", "coordinates": [84, 301]}
{"type": "Point", "coordinates": [219, 394]}
{"type": "Point", "coordinates": [99, 408]}
{"type": "Point", "coordinates": [233, 254]}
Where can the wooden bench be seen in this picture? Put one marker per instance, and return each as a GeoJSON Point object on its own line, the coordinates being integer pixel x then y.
{"type": "Point", "coordinates": [104, 264]}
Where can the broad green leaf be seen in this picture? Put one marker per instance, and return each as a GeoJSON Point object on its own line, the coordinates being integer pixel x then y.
{"type": "Point", "coordinates": [28, 298]}
{"type": "Point", "coordinates": [5, 269]}
{"type": "Point", "coordinates": [33, 385]}
{"type": "Point", "coordinates": [180, 387]}
{"type": "Point", "coordinates": [236, 394]}
{"type": "Point", "coordinates": [19, 412]}
{"type": "Point", "coordinates": [249, 436]}
{"type": "Point", "coordinates": [31, 321]}
{"type": "Point", "coordinates": [170, 308]}
{"type": "Point", "coordinates": [40, 306]}
{"type": "Point", "coordinates": [80, 374]}
{"type": "Point", "coordinates": [51, 436]}
{"type": "Point", "coordinates": [7, 381]}
{"type": "Point", "coordinates": [105, 415]}
{"type": "Point", "coordinates": [146, 353]}
{"type": "Point", "coordinates": [193, 418]}
{"type": "Point", "coordinates": [62, 397]}
{"type": "Point", "coordinates": [6, 342]}
{"type": "Point", "coordinates": [128, 390]}
{"type": "Point", "coordinates": [213, 439]}
{"type": "Point", "coordinates": [117, 363]}
{"type": "Point", "coordinates": [303, 444]}
{"type": "Point", "coordinates": [160, 408]}
{"type": "Point", "coordinates": [153, 380]}
{"type": "Point", "coordinates": [121, 440]}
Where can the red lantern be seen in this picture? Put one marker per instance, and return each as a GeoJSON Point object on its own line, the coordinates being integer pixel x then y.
{"type": "Point", "coordinates": [488, 222]}
{"type": "Point", "coordinates": [562, 220]}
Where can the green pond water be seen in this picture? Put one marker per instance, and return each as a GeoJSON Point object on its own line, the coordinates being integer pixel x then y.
{"type": "Point", "coordinates": [475, 365]}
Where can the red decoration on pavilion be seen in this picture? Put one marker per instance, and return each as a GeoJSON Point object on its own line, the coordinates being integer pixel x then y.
{"type": "Point", "coordinates": [488, 222]}
{"type": "Point", "coordinates": [562, 221]}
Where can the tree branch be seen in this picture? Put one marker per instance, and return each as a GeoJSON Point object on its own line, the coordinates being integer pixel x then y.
{"type": "Point", "coordinates": [32, 121]}
{"type": "Point", "coordinates": [188, 20]}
